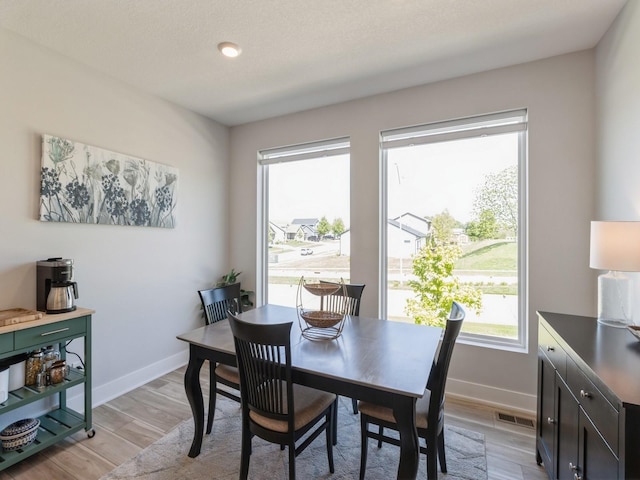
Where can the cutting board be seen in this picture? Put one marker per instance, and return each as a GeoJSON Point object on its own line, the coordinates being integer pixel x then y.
{"type": "Point", "coordinates": [18, 315]}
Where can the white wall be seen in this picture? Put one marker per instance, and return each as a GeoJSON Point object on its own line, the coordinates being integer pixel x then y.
{"type": "Point", "coordinates": [618, 94]}
{"type": "Point", "coordinates": [142, 282]}
{"type": "Point", "coordinates": [559, 93]}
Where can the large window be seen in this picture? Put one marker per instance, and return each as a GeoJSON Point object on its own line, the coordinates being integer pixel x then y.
{"type": "Point", "coordinates": [454, 216]}
{"type": "Point", "coordinates": [305, 217]}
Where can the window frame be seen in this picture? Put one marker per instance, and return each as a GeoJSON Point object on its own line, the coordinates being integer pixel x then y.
{"type": "Point", "coordinates": [272, 156]}
{"type": "Point", "coordinates": [451, 130]}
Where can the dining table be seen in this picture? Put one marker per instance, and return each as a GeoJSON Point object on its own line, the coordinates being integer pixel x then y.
{"type": "Point", "coordinates": [377, 360]}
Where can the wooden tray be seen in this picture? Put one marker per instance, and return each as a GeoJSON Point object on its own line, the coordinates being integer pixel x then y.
{"type": "Point", "coordinates": [18, 315]}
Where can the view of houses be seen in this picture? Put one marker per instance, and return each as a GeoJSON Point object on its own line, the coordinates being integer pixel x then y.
{"type": "Point", "coordinates": [406, 234]}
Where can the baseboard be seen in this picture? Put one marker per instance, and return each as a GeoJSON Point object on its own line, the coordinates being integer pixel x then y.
{"type": "Point", "coordinates": [497, 398]}
{"type": "Point", "coordinates": [103, 393]}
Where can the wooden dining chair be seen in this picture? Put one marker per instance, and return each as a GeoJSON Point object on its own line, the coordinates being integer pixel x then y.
{"type": "Point", "coordinates": [216, 302]}
{"type": "Point", "coordinates": [429, 409]}
{"type": "Point", "coordinates": [347, 300]}
{"type": "Point", "coordinates": [273, 407]}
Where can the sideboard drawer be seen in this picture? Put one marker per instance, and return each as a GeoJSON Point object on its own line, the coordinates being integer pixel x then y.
{"type": "Point", "coordinates": [51, 333]}
{"type": "Point", "coordinates": [552, 350]}
{"type": "Point", "coordinates": [6, 342]}
{"type": "Point", "coordinates": [594, 404]}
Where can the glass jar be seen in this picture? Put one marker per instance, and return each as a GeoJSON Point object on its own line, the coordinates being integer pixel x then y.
{"type": "Point", "coordinates": [58, 372]}
{"type": "Point", "coordinates": [50, 356]}
{"type": "Point", "coordinates": [34, 367]}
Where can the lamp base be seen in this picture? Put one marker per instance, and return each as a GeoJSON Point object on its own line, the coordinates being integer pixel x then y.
{"type": "Point", "coordinates": [614, 299]}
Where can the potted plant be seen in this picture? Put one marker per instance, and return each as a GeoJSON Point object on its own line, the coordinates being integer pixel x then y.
{"type": "Point", "coordinates": [229, 279]}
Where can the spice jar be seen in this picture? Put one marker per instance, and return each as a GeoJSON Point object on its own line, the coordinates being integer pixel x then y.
{"type": "Point", "coordinates": [34, 366]}
{"type": "Point", "coordinates": [57, 372]}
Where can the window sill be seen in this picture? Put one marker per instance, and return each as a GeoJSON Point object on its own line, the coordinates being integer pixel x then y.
{"type": "Point", "coordinates": [493, 343]}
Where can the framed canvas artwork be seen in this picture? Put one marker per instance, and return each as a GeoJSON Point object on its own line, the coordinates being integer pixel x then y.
{"type": "Point", "coordinates": [85, 184]}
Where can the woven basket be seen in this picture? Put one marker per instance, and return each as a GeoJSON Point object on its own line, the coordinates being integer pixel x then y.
{"type": "Point", "coordinates": [320, 319]}
{"type": "Point", "coordinates": [322, 289]}
{"type": "Point", "coordinates": [19, 434]}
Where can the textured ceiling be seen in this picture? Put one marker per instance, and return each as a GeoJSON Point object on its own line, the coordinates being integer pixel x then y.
{"type": "Point", "coordinates": [300, 54]}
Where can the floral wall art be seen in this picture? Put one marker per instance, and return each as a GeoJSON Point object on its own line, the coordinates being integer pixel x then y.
{"type": "Point", "coordinates": [85, 184]}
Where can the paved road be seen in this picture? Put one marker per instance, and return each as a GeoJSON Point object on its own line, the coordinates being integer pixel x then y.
{"type": "Point", "coordinates": [497, 309]}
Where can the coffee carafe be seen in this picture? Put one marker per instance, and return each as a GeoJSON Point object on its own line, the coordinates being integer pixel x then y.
{"type": "Point", "coordinates": [56, 292]}
{"type": "Point", "coordinates": [62, 297]}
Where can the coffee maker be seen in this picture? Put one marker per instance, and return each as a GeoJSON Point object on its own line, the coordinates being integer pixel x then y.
{"type": "Point", "coordinates": [56, 292]}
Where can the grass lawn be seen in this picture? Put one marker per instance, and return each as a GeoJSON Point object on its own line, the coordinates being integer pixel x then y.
{"type": "Point", "coordinates": [491, 329]}
{"type": "Point", "coordinates": [492, 257]}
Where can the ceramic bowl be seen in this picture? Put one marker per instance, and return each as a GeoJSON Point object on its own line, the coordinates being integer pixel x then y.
{"type": "Point", "coordinates": [19, 434]}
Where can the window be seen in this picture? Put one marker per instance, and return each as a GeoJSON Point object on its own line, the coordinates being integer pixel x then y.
{"type": "Point", "coordinates": [454, 197]}
{"type": "Point", "coordinates": [305, 217]}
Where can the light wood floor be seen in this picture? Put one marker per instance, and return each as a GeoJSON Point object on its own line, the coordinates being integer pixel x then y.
{"type": "Point", "coordinates": [129, 423]}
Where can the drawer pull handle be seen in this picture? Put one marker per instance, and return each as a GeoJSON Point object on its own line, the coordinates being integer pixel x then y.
{"type": "Point", "coordinates": [550, 348]}
{"type": "Point", "coordinates": [572, 467]}
{"type": "Point", "coordinates": [550, 421]}
{"type": "Point", "coordinates": [54, 331]}
{"type": "Point", "coordinates": [585, 394]}
{"type": "Point", "coordinates": [576, 477]}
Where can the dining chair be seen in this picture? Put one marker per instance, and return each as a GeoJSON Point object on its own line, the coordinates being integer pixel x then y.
{"type": "Point", "coordinates": [429, 408]}
{"type": "Point", "coordinates": [215, 303]}
{"type": "Point", "coordinates": [273, 407]}
{"type": "Point", "coordinates": [349, 299]}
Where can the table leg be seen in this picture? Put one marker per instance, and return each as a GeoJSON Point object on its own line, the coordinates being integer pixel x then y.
{"type": "Point", "coordinates": [404, 410]}
{"type": "Point", "coordinates": [194, 395]}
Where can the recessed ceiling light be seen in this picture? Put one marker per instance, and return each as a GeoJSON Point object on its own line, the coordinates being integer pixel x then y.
{"type": "Point", "coordinates": [229, 49]}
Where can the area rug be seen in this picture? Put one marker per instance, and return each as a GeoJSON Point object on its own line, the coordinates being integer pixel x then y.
{"type": "Point", "coordinates": [167, 459]}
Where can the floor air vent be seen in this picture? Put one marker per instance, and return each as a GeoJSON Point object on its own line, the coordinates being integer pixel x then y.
{"type": "Point", "coordinates": [515, 420]}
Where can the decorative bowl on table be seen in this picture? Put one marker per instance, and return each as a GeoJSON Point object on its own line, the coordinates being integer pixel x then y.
{"type": "Point", "coordinates": [19, 434]}
{"type": "Point", "coordinates": [322, 289]}
{"type": "Point", "coordinates": [320, 319]}
{"type": "Point", "coordinates": [321, 309]}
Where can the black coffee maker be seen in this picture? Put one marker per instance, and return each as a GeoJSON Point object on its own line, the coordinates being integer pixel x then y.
{"type": "Point", "coordinates": [56, 292]}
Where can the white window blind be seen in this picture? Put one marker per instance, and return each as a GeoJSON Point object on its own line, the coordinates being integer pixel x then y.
{"type": "Point", "coordinates": [483, 125]}
{"type": "Point", "coordinates": [305, 151]}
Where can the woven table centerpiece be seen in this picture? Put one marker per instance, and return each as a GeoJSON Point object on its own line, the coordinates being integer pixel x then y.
{"type": "Point", "coordinates": [321, 309]}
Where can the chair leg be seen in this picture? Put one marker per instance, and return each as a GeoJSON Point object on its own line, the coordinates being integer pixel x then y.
{"type": "Point", "coordinates": [292, 461]}
{"type": "Point", "coordinates": [335, 422]}
{"type": "Point", "coordinates": [354, 402]}
{"type": "Point", "coordinates": [245, 454]}
{"type": "Point", "coordinates": [330, 435]}
{"type": "Point", "coordinates": [441, 454]}
{"type": "Point", "coordinates": [380, 432]}
{"type": "Point", "coordinates": [432, 456]}
{"type": "Point", "coordinates": [364, 440]}
{"type": "Point", "coordinates": [212, 396]}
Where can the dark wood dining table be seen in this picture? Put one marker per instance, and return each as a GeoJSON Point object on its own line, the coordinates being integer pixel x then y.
{"type": "Point", "coordinates": [380, 361]}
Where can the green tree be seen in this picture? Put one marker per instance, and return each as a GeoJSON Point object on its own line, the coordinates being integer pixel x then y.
{"type": "Point", "coordinates": [499, 194]}
{"type": "Point", "coordinates": [442, 226]}
{"type": "Point", "coordinates": [323, 227]}
{"type": "Point", "coordinates": [484, 227]}
{"type": "Point", "coordinates": [338, 227]}
{"type": "Point", "coordinates": [435, 286]}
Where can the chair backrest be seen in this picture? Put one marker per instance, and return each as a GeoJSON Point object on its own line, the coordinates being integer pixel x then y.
{"type": "Point", "coordinates": [440, 370]}
{"type": "Point", "coordinates": [263, 352]}
{"type": "Point", "coordinates": [218, 300]}
{"type": "Point", "coordinates": [349, 302]}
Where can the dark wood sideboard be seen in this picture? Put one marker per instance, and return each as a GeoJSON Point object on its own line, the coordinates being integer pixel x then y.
{"type": "Point", "coordinates": [588, 422]}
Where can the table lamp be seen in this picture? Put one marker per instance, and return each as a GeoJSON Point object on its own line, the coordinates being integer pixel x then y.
{"type": "Point", "coordinates": [615, 246]}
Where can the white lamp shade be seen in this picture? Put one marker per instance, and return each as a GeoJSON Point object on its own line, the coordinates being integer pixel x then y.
{"type": "Point", "coordinates": [615, 246]}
